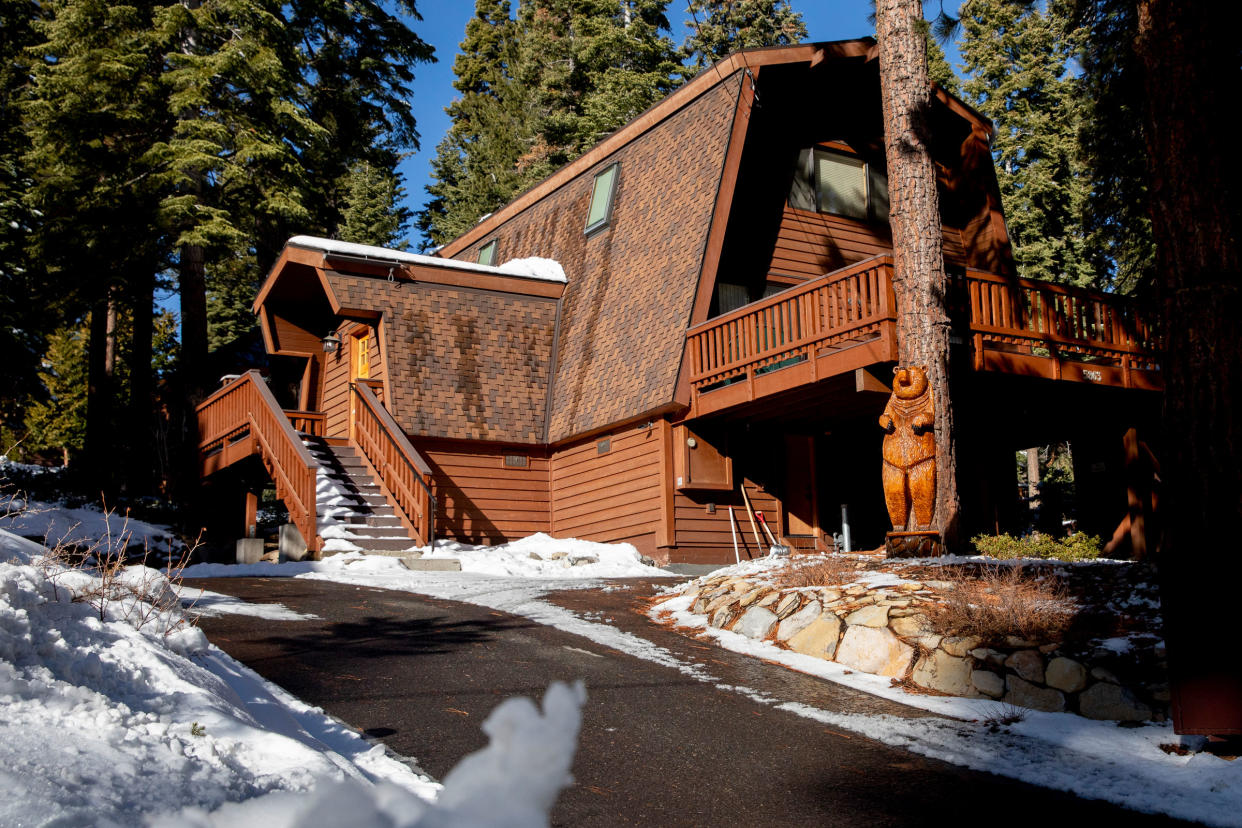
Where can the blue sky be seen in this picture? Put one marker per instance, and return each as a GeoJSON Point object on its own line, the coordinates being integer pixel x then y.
{"type": "Point", "coordinates": [444, 24]}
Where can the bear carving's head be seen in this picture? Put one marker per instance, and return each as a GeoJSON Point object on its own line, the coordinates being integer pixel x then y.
{"type": "Point", "coordinates": [910, 382]}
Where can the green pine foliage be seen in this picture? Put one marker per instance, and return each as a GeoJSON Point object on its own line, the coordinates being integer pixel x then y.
{"type": "Point", "coordinates": [939, 69]}
{"type": "Point", "coordinates": [1016, 58]}
{"type": "Point", "coordinates": [56, 425]}
{"type": "Point", "coordinates": [373, 213]}
{"type": "Point", "coordinates": [539, 86]}
{"type": "Point", "coordinates": [721, 27]}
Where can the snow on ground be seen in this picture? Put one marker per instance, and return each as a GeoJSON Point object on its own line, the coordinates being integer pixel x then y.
{"type": "Point", "coordinates": [127, 715]}
{"type": "Point", "coordinates": [84, 526]}
{"type": "Point", "coordinates": [202, 602]}
{"type": "Point", "coordinates": [1095, 760]}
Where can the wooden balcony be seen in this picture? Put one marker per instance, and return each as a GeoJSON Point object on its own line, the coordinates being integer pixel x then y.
{"type": "Point", "coordinates": [847, 320]}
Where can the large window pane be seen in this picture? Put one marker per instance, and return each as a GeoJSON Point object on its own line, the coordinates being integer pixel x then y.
{"type": "Point", "coordinates": [842, 185]}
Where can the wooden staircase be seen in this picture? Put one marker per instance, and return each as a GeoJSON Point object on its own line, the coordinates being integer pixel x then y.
{"type": "Point", "coordinates": [372, 489]}
{"type": "Point", "coordinates": [351, 506]}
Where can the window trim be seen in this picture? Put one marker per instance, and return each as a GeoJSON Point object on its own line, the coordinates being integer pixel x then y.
{"type": "Point", "coordinates": [606, 218]}
{"type": "Point", "coordinates": [489, 248]}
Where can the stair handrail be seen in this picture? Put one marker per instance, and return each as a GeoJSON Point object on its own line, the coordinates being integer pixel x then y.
{"type": "Point", "coordinates": [395, 466]}
{"type": "Point", "coordinates": [247, 401]}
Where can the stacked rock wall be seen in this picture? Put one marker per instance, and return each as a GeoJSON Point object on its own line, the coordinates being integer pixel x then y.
{"type": "Point", "coordinates": [884, 630]}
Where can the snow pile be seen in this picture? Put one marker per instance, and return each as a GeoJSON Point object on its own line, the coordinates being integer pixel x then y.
{"type": "Point", "coordinates": [58, 525]}
{"type": "Point", "coordinates": [537, 557]}
{"type": "Point", "coordinates": [543, 556]}
{"type": "Point", "coordinates": [103, 723]}
{"type": "Point", "coordinates": [535, 267]}
{"type": "Point", "coordinates": [511, 783]}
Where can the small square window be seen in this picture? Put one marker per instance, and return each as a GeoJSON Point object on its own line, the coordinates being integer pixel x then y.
{"type": "Point", "coordinates": [487, 253]}
{"type": "Point", "coordinates": [602, 192]}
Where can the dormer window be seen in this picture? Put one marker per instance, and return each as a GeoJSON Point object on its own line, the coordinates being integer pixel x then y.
{"type": "Point", "coordinates": [487, 253]}
{"type": "Point", "coordinates": [600, 211]}
{"type": "Point", "coordinates": [829, 181]}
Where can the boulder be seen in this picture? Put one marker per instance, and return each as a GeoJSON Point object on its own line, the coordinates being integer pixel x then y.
{"type": "Point", "coordinates": [1110, 702]}
{"type": "Point", "coordinates": [1065, 674]}
{"type": "Point", "coordinates": [870, 616]}
{"type": "Point", "coordinates": [756, 623]}
{"type": "Point", "coordinates": [1028, 664]}
{"type": "Point", "coordinates": [1025, 694]}
{"type": "Point", "coordinates": [943, 672]}
{"type": "Point", "coordinates": [992, 657]}
{"type": "Point", "coordinates": [722, 616]}
{"type": "Point", "coordinates": [788, 604]}
{"type": "Point", "coordinates": [988, 683]}
{"type": "Point", "coordinates": [874, 650]}
{"type": "Point", "coordinates": [751, 597]}
{"type": "Point", "coordinates": [798, 621]}
{"type": "Point", "coordinates": [819, 638]}
{"type": "Point", "coordinates": [959, 646]}
{"type": "Point", "coordinates": [910, 626]}
{"type": "Point", "coordinates": [769, 599]}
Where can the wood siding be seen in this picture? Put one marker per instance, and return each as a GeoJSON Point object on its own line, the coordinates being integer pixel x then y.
{"type": "Point", "coordinates": [812, 244]}
{"type": "Point", "coordinates": [336, 376]}
{"type": "Point", "coordinates": [481, 500]}
{"type": "Point", "coordinates": [613, 496]}
{"type": "Point", "coordinates": [707, 537]}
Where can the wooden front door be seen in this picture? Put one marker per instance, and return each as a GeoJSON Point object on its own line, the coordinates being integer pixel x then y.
{"type": "Point", "coordinates": [362, 354]}
{"type": "Point", "coordinates": [799, 501]}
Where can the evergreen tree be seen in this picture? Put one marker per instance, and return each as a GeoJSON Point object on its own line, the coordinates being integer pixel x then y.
{"type": "Point", "coordinates": [481, 162]}
{"type": "Point", "coordinates": [938, 67]}
{"type": "Point", "coordinates": [57, 423]}
{"type": "Point", "coordinates": [373, 213]}
{"type": "Point", "coordinates": [536, 92]}
{"type": "Point", "coordinates": [1016, 56]}
{"type": "Point", "coordinates": [721, 27]}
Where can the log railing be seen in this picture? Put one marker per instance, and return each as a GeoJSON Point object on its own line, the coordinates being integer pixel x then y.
{"type": "Point", "coordinates": [848, 304]}
{"type": "Point", "coordinates": [1058, 321]}
{"type": "Point", "coordinates": [245, 409]}
{"type": "Point", "coordinates": [398, 466]}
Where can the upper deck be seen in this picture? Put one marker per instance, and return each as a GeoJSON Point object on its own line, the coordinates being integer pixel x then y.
{"type": "Point", "coordinates": [846, 320]}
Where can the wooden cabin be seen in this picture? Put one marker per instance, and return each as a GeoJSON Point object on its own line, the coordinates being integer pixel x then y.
{"type": "Point", "coordinates": [725, 320]}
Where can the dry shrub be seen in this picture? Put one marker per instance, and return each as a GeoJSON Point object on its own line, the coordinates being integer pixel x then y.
{"type": "Point", "coordinates": [818, 571]}
{"type": "Point", "coordinates": [1001, 601]}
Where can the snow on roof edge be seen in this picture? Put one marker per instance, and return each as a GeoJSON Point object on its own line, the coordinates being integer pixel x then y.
{"type": "Point", "coordinates": [534, 267]}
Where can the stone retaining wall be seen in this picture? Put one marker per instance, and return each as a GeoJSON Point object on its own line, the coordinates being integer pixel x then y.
{"type": "Point", "coordinates": [883, 630]}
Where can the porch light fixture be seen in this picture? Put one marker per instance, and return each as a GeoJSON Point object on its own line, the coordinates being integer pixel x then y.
{"type": "Point", "coordinates": [331, 342]}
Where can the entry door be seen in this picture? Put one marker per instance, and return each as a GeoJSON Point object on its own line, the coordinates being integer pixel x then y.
{"type": "Point", "coordinates": [362, 354]}
{"type": "Point", "coordinates": [800, 518]}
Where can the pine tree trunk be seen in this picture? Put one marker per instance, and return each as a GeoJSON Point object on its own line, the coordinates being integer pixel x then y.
{"type": "Point", "coordinates": [99, 437]}
{"type": "Point", "coordinates": [193, 277]}
{"type": "Point", "coordinates": [140, 422]}
{"type": "Point", "coordinates": [919, 282]}
{"type": "Point", "coordinates": [1188, 54]}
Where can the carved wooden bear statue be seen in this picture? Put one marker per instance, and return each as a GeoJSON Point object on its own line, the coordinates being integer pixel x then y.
{"type": "Point", "coordinates": [910, 449]}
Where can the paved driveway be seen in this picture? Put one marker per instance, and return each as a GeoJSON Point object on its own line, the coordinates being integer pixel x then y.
{"type": "Point", "coordinates": [657, 747]}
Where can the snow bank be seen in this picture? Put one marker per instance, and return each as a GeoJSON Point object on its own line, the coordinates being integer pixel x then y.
{"type": "Point", "coordinates": [103, 724]}
{"type": "Point", "coordinates": [84, 526]}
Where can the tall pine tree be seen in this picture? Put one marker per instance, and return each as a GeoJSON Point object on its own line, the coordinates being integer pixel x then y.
{"type": "Point", "coordinates": [1016, 57]}
{"type": "Point", "coordinates": [721, 27]}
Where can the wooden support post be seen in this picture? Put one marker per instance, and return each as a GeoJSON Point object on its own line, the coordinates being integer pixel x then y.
{"type": "Point", "coordinates": [251, 527]}
{"type": "Point", "coordinates": [1136, 495]}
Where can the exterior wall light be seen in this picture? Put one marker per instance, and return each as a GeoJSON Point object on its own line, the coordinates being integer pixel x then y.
{"type": "Point", "coordinates": [331, 342]}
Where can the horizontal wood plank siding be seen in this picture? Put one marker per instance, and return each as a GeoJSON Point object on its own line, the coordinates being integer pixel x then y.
{"type": "Point", "coordinates": [481, 500]}
{"type": "Point", "coordinates": [336, 376]}
{"type": "Point", "coordinates": [812, 244]}
{"type": "Point", "coordinates": [608, 497]}
{"type": "Point", "coordinates": [698, 530]}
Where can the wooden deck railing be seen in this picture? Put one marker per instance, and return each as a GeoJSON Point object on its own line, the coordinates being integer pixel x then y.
{"type": "Point", "coordinates": [396, 463]}
{"type": "Point", "coordinates": [246, 410]}
{"type": "Point", "coordinates": [847, 304]}
{"type": "Point", "coordinates": [1063, 321]}
{"type": "Point", "coordinates": [1035, 320]}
